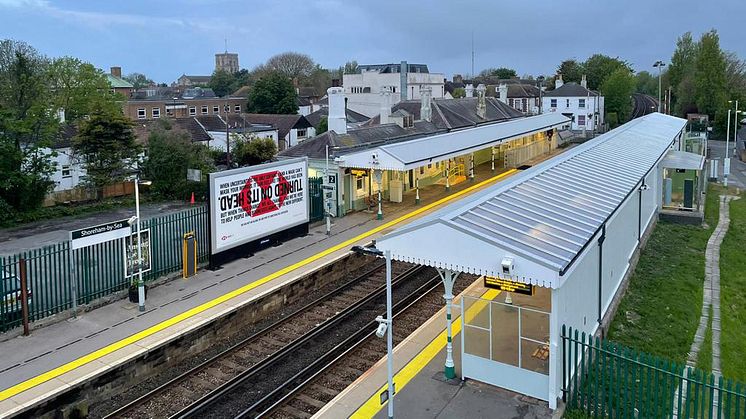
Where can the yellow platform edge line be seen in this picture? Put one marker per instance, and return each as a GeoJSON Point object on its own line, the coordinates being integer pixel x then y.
{"type": "Point", "coordinates": [373, 405]}
{"type": "Point", "coordinates": [62, 369]}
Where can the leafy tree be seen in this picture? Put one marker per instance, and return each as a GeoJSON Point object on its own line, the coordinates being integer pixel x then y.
{"type": "Point", "coordinates": [459, 92]}
{"type": "Point", "coordinates": [292, 65]}
{"type": "Point", "coordinates": [598, 67]}
{"type": "Point", "coordinates": [683, 59]}
{"type": "Point", "coordinates": [79, 88]}
{"type": "Point", "coordinates": [646, 83]}
{"type": "Point", "coordinates": [499, 73]}
{"type": "Point", "coordinates": [254, 150]}
{"type": "Point", "coordinates": [107, 146]}
{"type": "Point", "coordinates": [320, 79]}
{"type": "Point", "coordinates": [350, 67]}
{"type": "Point", "coordinates": [323, 125]}
{"type": "Point", "coordinates": [571, 71]}
{"type": "Point", "coordinates": [709, 74]}
{"type": "Point", "coordinates": [139, 80]}
{"type": "Point", "coordinates": [170, 153]}
{"type": "Point", "coordinates": [27, 126]}
{"type": "Point", "coordinates": [617, 90]}
{"type": "Point", "coordinates": [222, 82]}
{"type": "Point", "coordinates": [273, 93]}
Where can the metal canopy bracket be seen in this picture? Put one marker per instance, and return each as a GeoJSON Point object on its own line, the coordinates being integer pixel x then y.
{"type": "Point", "coordinates": [449, 278]}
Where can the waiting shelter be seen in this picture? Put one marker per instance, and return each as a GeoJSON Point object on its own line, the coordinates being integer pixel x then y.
{"type": "Point", "coordinates": [563, 233]}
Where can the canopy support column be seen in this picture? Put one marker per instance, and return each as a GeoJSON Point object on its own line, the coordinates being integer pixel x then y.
{"type": "Point", "coordinates": [379, 181]}
{"type": "Point", "coordinates": [471, 167]}
{"type": "Point", "coordinates": [493, 158]}
{"type": "Point", "coordinates": [448, 175]}
{"type": "Point", "coordinates": [449, 278]}
{"type": "Point", "coordinates": [416, 188]}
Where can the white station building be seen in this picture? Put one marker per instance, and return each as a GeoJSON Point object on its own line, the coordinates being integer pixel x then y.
{"type": "Point", "coordinates": [568, 227]}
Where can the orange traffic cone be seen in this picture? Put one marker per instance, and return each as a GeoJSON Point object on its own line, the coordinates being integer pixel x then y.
{"type": "Point", "coordinates": [191, 201]}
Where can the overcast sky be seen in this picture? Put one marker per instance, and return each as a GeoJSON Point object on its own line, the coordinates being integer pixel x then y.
{"type": "Point", "coordinates": [165, 39]}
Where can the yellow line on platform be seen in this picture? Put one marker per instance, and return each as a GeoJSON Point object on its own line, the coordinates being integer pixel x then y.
{"type": "Point", "coordinates": [62, 369]}
{"type": "Point", "coordinates": [373, 405]}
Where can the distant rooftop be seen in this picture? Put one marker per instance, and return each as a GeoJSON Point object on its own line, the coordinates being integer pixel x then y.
{"type": "Point", "coordinates": [118, 82]}
{"type": "Point", "coordinates": [393, 68]}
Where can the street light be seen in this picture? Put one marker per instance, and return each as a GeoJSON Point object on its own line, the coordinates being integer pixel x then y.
{"type": "Point", "coordinates": [387, 321]}
{"type": "Point", "coordinates": [140, 283]}
{"type": "Point", "coordinates": [540, 79]}
{"type": "Point", "coordinates": [660, 64]}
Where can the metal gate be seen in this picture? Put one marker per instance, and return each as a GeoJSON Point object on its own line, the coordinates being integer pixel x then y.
{"type": "Point", "coordinates": [316, 195]}
{"type": "Point", "coordinates": [505, 345]}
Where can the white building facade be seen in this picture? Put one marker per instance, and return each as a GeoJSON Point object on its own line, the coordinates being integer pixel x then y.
{"type": "Point", "coordinates": [363, 89]}
{"type": "Point", "coordinates": [585, 107]}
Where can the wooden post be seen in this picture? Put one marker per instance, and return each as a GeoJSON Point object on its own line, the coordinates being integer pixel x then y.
{"type": "Point", "coordinates": [24, 295]}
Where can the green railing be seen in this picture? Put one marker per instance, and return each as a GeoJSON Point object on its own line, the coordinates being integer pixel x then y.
{"type": "Point", "coordinates": [99, 269]}
{"type": "Point", "coordinates": [605, 379]}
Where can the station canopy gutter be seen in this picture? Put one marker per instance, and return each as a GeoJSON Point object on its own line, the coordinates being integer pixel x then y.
{"type": "Point", "coordinates": [418, 152]}
{"type": "Point", "coordinates": [542, 218]}
{"type": "Point", "coordinates": [676, 159]}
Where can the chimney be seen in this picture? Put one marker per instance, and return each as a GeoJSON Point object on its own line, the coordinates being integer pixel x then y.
{"type": "Point", "coordinates": [385, 105]}
{"type": "Point", "coordinates": [469, 90]}
{"type": "Point", "coordinates": [558, 81]}
{"type": "Point", "coordinates": [502, 93]}
{"type": "Point", "coordinates": [481, 101]}
{"type": "Point", "coordinates": [426, 110]}
{"type": "Point", "coordinates": [116, 72]}
{"type": "Point", "coordinates": [403, 68]}
{"type": "Point", "coordinates": [337, 119]}
{"type": "Point", "coordinates": [584, 82]}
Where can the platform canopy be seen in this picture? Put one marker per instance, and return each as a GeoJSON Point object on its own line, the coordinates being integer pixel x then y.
{"type": "Point", "coordinates": [544, 217]}
{"type": "Point", "coordinates": [418, 152]}
{"type": "Point", "coordinates": [676, 159]}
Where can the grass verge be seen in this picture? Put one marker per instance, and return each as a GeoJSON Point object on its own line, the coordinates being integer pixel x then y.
{"type": "Point", "coordinates": [733, 294]}
{"type": "Point", "coordinates": [660, 312]}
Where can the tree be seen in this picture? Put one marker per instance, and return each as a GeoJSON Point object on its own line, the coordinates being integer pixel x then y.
{"type": "Point", "coordinates": [646, 83]}
{"type": "Point", "coordinates": [254, 150]}
{"type": "Point", "coordinates": [170, 153]}
{"type": "Point", "coordinates": [79, 88]}
{"type": "Point", "coordinates": [351, 67]}
{"type": "Point", "coordinates": [617, 90]}
{"type": "Point", "coordinates": [501, 73]}
{"type": "Point", "coordinates": [222, 83]}
{"type": "Point", "coordinates": [709, 74]}
{"type": "Point", "coordinates": [273, 93]}
{"type": "Point", "coordinates": [571, 71]}
{"type": "Point", "coordinates": [458, 93]}
{"type": "Point", "coordinates": [138, 80]}
{"type": "Point", "coordinates": [683, 59]}
{"type": "Point", "coordinates": [320, 79]}
{"type": "Point", "coordinates": [598, 66]}
{"type": "Point", "coordinates": [323, 125]}
{"type": "Point", "coordinates": [106, 144]}
{"type": "Point", "coordinates": [292, 65]}
{"type": "Point", "coordinates": [27, 127]}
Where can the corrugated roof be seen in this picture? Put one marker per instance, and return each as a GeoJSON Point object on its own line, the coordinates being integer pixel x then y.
{"type": "Point", "coordinates": [676, 159]}
{"type": "Point", "coordinates": [549, 213]}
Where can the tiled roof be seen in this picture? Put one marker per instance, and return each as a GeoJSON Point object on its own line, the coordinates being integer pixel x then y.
{"type": "Point", "coordinates": [283, 123]}
{"type": "Point", "coordinates": [571, 89]}
{"type": "Point", "coordinates": [352, 117]}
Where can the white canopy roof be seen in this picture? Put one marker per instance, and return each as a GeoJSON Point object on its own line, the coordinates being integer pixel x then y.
{"type": "Point", "coordinates": [676, 159]}
{"type": "Point", "coordinates": [421, 151]}
{"type": "Point", "coordinates": [543, 217]}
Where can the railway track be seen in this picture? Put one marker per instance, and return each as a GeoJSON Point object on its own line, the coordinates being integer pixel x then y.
{"type": "Point", "coordinates": [269, 380]}
{"type": "Point", "coordinates": [338, 369]}
{"type": "Point", "coordinates": [643, 105]}
{"type": "Point", "coordinates": [264, 348]}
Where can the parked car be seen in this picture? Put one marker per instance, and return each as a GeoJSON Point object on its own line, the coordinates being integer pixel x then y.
{"type": "Point", "coordinates": [10, 290]}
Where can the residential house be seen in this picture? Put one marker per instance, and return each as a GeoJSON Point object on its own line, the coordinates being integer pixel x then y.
{"type": "Point", "coordinates": [404, 81]}
{"type": "Point", "coordinates": [117, 83]}
{"type": "Point", "coordinates": [521, 96]}
{"type": "Point", "coordinates": [354, 119]}
{"type": "Point", "coordinates": [292, 129]}
{"type": "Point", "coordinates": [191, 81]}
{"type": "Point", "coordinates": [585, 107]}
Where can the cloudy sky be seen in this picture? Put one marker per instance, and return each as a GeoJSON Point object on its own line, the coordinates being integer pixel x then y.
{"type": "Point", "coordinates": [165, 39]}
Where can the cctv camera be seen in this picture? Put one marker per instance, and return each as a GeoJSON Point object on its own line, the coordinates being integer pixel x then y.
{"type": "Point", "coordinates": [381, 330]}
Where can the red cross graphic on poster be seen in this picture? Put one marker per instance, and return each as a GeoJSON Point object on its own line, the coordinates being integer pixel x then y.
{"type": "Point", "coordinates": [272, 190]}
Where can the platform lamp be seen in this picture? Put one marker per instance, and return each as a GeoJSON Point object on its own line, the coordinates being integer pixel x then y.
{"type": "Point", "coordinates": [385, 325]}
{"type": "Point", "coordinates": [140, 282]}
{"type": "Point", "coordinates": [659, 64]}
{"type": "Point", "coordinates": [540, 79]}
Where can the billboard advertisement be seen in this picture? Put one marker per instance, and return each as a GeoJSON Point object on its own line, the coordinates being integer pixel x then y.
{"type": "Point", "coordinates": [253, 202]}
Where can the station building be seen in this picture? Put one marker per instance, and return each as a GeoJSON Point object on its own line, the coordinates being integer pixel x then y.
{"type": "Point", "coordinates": [421, 143]}
{"type": "Point", "coordinates": [566, 231]}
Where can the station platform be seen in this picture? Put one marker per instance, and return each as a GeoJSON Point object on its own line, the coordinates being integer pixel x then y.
{"type": "Point", "coordinates": [421, 388]}
{"type": "Point", "coordinates": [69, 352]}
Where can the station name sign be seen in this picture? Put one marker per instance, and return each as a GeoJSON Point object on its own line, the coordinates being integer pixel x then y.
{"type": "Point", "coordinates": [508, 285]}
{"type": "Point", "coordinates": [98, 234]}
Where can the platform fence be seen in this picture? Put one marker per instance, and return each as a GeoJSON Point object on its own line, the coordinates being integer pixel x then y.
{"type": "Point", "coordinates": [99, 269]}
{"type": "Point", "coordinates": [604, 379]}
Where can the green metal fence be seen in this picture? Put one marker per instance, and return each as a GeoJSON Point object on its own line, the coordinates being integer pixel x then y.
{"type": "Point", "coordinates": [316, 195]}
{"type": "Point", "coordinates": [99, 269]}
{"type": "Point", "coordinates": [605, 379]}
